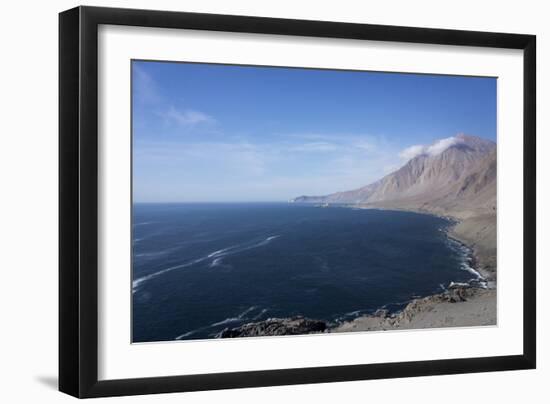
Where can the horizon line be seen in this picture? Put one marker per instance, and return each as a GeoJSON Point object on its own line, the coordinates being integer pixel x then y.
{"type": "Point", "coordinates": [256, 201]}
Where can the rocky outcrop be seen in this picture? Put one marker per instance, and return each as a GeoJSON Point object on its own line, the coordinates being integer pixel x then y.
{"type": "Point", "coordinates": [459, 305]}
{"type": "Point", "coordinates": [275, 326]}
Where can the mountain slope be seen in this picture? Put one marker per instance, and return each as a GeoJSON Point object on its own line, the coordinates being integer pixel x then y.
{"type": "Point", "coordinates": [458, 180]}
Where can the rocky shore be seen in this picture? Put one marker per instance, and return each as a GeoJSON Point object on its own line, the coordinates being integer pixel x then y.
{"type": "Point", "coordinates": [459, 306]}
{"type": "Point", "coordinates": [275, 326]}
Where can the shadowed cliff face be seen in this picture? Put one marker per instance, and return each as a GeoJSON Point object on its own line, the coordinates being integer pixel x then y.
{"type": "Point", "coordinates": [459, 180]}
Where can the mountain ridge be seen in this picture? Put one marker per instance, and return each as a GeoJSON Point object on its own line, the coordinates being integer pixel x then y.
{"type": "Point", "coordinates": [442, 182]}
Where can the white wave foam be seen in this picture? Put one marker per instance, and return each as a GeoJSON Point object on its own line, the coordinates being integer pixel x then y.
{"type": "Point", "coordinates": [244, 313]}
{"type": "Point", "coordinates": [458, 284]}
{"type": "Point", "coordinates": [471, 270]}
{"type": "Point", "coordinates": [353, 313]}
{"type": "Point", "coordinates": [185, 335]}
{"type": "Point", "coordinates": [240, 247]}
{"type": "Point", "coordinates": [484, 284]}
{"type": "Point", "coordinates": [240, 317]}
{"type": "Point", "coordinates": [216, 263]}
{"type": "Point", "coordinates": [260, 314]}
{"type": "Point", "coordinates": [216, 254]}
{"type": "Point", "coordinates": [153, 254]}
{"type": "Point", "coordinates": [139, 281]}
{"type": "Point", "coordinates": [466, 252]}
{"type": "Point", "coordinates": [142, 223]}
{"type": "Point", "coordinates": [229, 320]}
{"type": "Point", "coordinates": [226, 321]}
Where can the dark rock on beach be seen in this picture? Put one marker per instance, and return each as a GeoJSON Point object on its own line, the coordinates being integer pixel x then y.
{"type": "Point", "coordinates": [275, 326]}
{"type": "Point", "coordinates": [459, 305]}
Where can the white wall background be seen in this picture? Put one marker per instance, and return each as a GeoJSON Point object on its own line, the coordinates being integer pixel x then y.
{"type": "Point", "coordinates": [28, 202]}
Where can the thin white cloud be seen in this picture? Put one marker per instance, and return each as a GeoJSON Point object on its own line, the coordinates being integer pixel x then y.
{"type": "Point", "coordinates": [430, 150]}
{"type": "Point", "coordinates": [237, 160]}
{"type": "Point", "coordinates": [249, 169]}
{"type": "Point", "coordinates": [314, 147]}
{"type": "Point", "coordinates": [336, 142]}
{"type": "Point", "coordinates": [144, 87]}
{"type": "Point", "coordinates": [365, 145]}
{"type": "Point", "coordinates": [146, 92]}
{"type": "Point", "coordinates": [186, 117]}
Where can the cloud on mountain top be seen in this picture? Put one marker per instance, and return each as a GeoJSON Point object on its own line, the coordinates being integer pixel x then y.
{"type": "Point", "coordinates": [432, 150]}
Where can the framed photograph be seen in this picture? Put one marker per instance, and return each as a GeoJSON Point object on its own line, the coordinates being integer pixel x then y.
{"type": "Point", "coordinates": [251, 201]}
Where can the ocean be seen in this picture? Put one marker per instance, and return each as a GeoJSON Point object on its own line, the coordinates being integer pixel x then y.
{"type": "Point", "coordinates": [199, 268]}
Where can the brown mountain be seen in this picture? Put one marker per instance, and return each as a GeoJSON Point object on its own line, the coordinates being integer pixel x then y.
{"type": "Point", "coordinates": [459, 180]}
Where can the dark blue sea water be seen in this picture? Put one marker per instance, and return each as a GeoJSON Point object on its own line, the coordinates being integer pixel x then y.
{"type": "Point", "coordinates": [199, 268]}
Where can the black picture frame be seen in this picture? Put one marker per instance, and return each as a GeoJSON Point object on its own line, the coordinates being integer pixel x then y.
{"type": "Point", "coordinates": [78, 201]}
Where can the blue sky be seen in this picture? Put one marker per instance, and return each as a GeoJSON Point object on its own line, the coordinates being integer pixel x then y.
{"type": "Point", "coordinates": [217, 133]}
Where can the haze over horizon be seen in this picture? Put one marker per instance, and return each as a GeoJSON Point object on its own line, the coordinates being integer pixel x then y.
{"type": "Point", "coordinates": [217, 133]}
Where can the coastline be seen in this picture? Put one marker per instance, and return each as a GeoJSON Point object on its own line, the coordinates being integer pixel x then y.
{"type": "Point", "coordinates": [460, 305]}
{"type": "Point", "coordinates": [466, 230]}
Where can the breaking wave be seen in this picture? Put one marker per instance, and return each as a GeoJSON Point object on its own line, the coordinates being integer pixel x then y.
{"type": "Point", "coordinates": [466, 255]}
{"type": "Point", "coordinates": [259, 315]}
{"type": "Point", "coordinates": [226, 321]}
{"type": "Point", "coordinates": [240, 318]}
